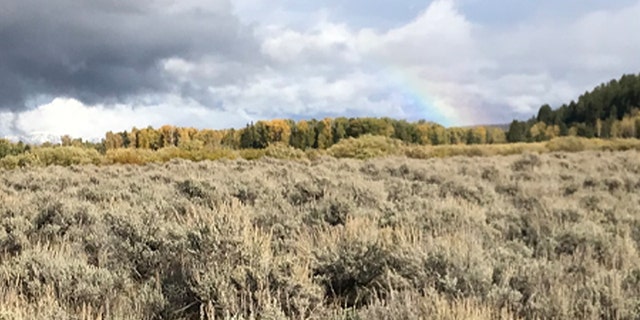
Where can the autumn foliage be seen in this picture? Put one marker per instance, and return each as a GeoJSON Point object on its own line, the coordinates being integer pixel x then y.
{"type": "Point", "coordinates": [304, 134]}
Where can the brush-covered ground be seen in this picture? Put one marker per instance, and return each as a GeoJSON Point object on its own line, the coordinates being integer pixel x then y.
{"type": "Point", "coordinates": [551, 236]}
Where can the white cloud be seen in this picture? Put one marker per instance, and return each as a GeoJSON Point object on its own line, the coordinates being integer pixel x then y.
{"type": "Point", "coordinates": [273, 94]}
{"type": "Point", "coordinates": [439, 34]}
{"type": "Point", "coordinates": [326, 42]}
{"type": "Point", "coordinates": [69, 116]}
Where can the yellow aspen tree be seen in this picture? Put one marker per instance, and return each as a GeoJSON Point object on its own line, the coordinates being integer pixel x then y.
{"type": "Point", "coordinates": [552, 131]}
{"type": "Point", "coordinates": [210, 138]}
{"type": "Point", "coordinates": [148, 138]}
{"type": "Point", "coordinates": [424, 133]}
{"type": "Point", "coordinates": [231, 138]}
{"type": "Point", "coordinates": [183, 136]}
{"type": "Point", "coordinates": [496, 136]}
{"type": "Point", "coordinates": [439, 135]}
{"type": "Point", "coordinates": [167, 134]}
{"type": "Point", "coordinates": [480, 134]}
{"type": "Point", "coordinates": [112, 141]}
{"type": "Point", "coordinates": [457, 135]}
{"type": "Point", "coordinates": [379, 126]}
{"type": "Point", "coordinates": [278, 130]}
{"type": "Point", "coordinates": [627, 127]}
{"type": "Point", "coordinates": [573, 131]}
{"type": "Point", "coordinates": [143, 138]}
{"type": "Point", "coordinates": [325, 134]}
{"type": "Point", "coordinates": [301, 140]}
{"type": "Point", "coordinates": [132, 136]}
{"type": "Point", "coordinates": [538, 131]}
{"type": "Point", "coordinates": [65, 140]}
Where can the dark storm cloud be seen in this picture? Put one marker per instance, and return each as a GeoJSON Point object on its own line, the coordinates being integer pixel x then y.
{"type": "Point", "coordinates": [109, 50]}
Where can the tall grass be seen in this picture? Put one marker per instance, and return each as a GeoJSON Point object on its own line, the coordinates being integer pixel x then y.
{"type": "Point", "coordinates": [531, 236]}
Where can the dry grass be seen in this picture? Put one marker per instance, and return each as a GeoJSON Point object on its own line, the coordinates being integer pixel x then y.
{"type": "Point", "coordinates": [552, 236]}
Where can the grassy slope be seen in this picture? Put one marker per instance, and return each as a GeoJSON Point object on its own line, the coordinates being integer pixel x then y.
{"type": "Point", "coordinates": [534, 236]}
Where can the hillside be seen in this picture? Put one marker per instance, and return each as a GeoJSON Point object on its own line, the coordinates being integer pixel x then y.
{"type": "Point", "coordinates": [610, 110]}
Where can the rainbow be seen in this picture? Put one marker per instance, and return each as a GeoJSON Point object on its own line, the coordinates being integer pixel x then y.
{"type": "Point", "coordinates": [424, 104]}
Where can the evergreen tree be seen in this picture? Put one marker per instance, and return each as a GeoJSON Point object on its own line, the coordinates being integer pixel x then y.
{"type": "Point", "coordinates": [545, 114]}
{"type": "Point", "coordinates": [339, 129]}
{"type": "Point", "coordinates": [517, 131]}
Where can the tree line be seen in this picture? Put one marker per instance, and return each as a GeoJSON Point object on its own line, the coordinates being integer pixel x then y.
{"type": "Point", "coordinates": [611, 110]}
{"type": "Point", "coordinates": [303, 134]}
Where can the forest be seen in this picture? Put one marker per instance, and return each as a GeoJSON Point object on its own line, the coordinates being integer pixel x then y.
{"type": "Point", "coordinates": [610, 110]}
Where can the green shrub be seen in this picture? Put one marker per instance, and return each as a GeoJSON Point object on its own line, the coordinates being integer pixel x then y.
{"type": "Point", "coordinates": [568, 144]}
{"type": "Point", "coordinates": [66, 156]}
{"type": "Point", "coordinates": [251, 154]}
{"type": "Point", "coordinates": [283, 151]}
{"type": "Point", "coordinates": [217, 154]}
{"type": "Point", "coordinates": [130, 156]}
{"type": "Point", "coordinates": [170, 153]}
{"type": "Point", "coordinates": [7, 148]}
{"type": "Point", "coordinates": [10, 162]}
{"type": "Point", "coordinates": [60, 156]}
{"type": "Point", "coordinates": [366, 147]}
{"type": "Point", "coordinates": [485, 150]}
{"type": "Point", "coordinates": [620, 144]}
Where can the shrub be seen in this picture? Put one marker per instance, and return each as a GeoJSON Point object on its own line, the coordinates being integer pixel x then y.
{"type": "Point", "coordinates": [471, 193]}
{"type": "Point", "coordinates": [526, 162]}
{"type": "Point", "coordinates": [620, 144]}
{"type": "Point", "coordinates": [353, 274]}
{"type": "Point", "coordinates": [11, 162]}
{"type": "Point", "coordinates": [284, 151]}
{"type": "Point", "coordinates": [74, 282]}
{"type": "Point", "coordinates": [60, 156]}
{"type": "Point", "coordinates": [251, 154]}
{"type": "Point", "coordinates": [365, 147]}
{"type": "Point", "coordinates": [445, 151]}
{"type": "Point", "coordinates": [170, 153]}
{"type": "Point", "coordinates": [130, 156]}
{"type": "Point", "coordinates": [568, 144]}
{"type": "Point", "coordinates": [216, 154]}
{"type": "Point", "coordinates": [66, 156]}
{"type": "Point", "coordinates": [391, 238]}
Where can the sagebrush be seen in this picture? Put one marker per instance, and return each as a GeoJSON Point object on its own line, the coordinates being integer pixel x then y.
{"type": "Point", "coordinates": [552, 236]}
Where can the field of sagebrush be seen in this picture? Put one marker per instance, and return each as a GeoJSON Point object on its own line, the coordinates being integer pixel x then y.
{"type": "Point", "coordinates": [551, 236]}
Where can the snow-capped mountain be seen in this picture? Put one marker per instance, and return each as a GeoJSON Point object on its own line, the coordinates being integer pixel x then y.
{"type": "Point", "coordinates": [35, 137]}
{"type": "Point", "coordinates": [40, 137]}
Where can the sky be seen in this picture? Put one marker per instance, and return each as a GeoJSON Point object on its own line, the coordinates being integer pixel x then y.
{"type": "Point", "coordinates": [87, 67]}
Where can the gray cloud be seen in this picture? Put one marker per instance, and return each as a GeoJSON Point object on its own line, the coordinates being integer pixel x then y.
{"type": "Point", "coordinates": [109, 51]}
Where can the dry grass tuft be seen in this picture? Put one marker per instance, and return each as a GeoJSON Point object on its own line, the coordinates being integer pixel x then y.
{"type": "Point", "coordinates": [530, 235]}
